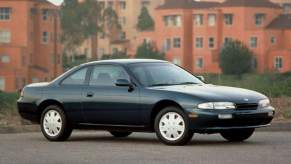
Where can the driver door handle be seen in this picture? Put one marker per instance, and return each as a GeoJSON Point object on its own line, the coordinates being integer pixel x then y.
{"type": "Point", "coordinates": [90, 94]}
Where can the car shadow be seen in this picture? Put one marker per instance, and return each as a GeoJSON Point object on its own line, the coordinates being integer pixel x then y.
{"type": "Point", "coordinates": [144, 140]}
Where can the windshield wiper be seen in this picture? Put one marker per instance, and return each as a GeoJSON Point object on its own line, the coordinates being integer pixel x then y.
{"type": "Point", "coordinates": [168, 84]}
{"type": "Point", "coordinates": [186, 83]}
{"type": "Point", "coordinates": [161, 84]}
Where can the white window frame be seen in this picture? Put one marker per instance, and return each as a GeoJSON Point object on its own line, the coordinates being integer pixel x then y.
{"type": "Point", "coordinates": [199, 19]}
{"type": "Point", "coordinates": [259, 19]}
{"type": "Point", "coordinates": [45, 14]}
{"type": "Point", "coordinates": [228, 19]}
{"type": "Point", "coordinates": [211, 43]}
{"type": "Point", "coordinates": [253, 42]}
{"type": "Point", "coordinates": [5, 13]}
{"type": "Point", "coordinates": [5, 36]}
{"type": "Point", "coordinates": [211, 20]}
{"type": "Point", "coordinates": [273, 40]}
{"type": "Point", "coordinates": [5, 59]}
{"type": "Point", "coordinates": [278, 62]}
{"type": "Point", "coordinates": [122, 5]}
{"type": "Point", "coordinates": [177, 42]}
{"type": "Point", "coordinates": [199, 63]}
{"type": "Point", "coordinates": [45, 38]}
{"type": "Point", "coordinates": [199, 44]}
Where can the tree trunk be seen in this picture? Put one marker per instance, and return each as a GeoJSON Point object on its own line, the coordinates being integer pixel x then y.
{"type": "Point", "coordinates": [94, 46]}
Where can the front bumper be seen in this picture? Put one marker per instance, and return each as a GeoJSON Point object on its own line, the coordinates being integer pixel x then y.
{"type": "Point", "coordinates": [215, 120]}
{"type": "Point", "coordinates": [28, 111]}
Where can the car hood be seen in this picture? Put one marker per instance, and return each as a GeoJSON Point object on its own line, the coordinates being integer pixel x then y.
{"type": "Point", "coordinates": [216, 93]}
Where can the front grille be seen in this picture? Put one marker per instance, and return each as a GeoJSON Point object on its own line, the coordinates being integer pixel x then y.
{"type": "Point", "coordinates": [247, 106]}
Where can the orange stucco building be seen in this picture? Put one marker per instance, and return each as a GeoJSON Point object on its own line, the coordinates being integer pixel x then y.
{"type": "Point", "coordinates": [192, 33]}
{"type": "Point", "coordinates": [30, 49]}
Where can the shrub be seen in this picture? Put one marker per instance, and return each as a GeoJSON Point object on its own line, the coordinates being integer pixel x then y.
{"type": "Point", "coordinates": [147, 51]}
{"type": "Point", "coordinates": [8, 102]}
{"type": "Point", "coordinates": [235, 58]}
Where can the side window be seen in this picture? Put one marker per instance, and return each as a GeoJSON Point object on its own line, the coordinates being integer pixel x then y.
{"type": "Point", "coordinates": [107, 75]}
{"type": "Point", "coordinates": [77, 78]}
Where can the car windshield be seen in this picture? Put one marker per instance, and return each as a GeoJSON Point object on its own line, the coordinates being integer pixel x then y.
{"type": "Point", "coordinates": [162, 74]}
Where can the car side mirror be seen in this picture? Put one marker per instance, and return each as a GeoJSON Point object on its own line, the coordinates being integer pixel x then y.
{"type": "Point", "coordinates": [201, 78]}
{"type": "Point", "coordinates": [123, 83]}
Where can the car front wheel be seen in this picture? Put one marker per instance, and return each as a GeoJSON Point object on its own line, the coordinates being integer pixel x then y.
{"type": "Point", "coordinates": [54, 125]}
{"type": "Point", "coordinates": [172, 127]}
{"type": "Point", "coordinates": [237, 135]}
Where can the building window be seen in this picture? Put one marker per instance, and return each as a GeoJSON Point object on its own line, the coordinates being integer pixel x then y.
{"type": "Point", "coordinates": [199, 63]}
{"type": "Point", "coordinates": [177, 42]}
{"type": "Point", "coordinates": [211, 42]}
{"type": "Point", "coordinates": [199, 42]}
{"type": "Point", "coordinates": [101, 51]}
{"type": "Point", "coordinates": [122, 20]}
{"type": "Point", "coordinates": [278, 62]}
{"type": "Point", "coordinates": [227, 40]}
{"type": "Point", "coordinates": [211, 19]}
{"type": "Point", "coordinates": [273, 40]}
{"type": "Point", "coordinates": [122, 36]}
{"type": "Point", "coordinates": [5, 13]}
{"type": "Point", "coordinates": [5, 36]}
{"type": "Point", "coordinates": [5, 59]}
{"type": "Point", "coordinates": [228, 19]}
{"type": "Point", "coordinates": [2, 83]}
{"type": "Point", "coordinates": [166, 20]}
{"type": "Point", "coordinates": [167, 45]}
{"type": "Point", "coordinates": [198, 19]}
{"type": "Point", "coordinates": [259, 19]}
{"type": "Point", "coordinates": [122, 5]}
{"type": "Point", "coordinates": [253, 42]}
{"type": "Point", "coordinates": [45, 14]}
{"type": "Point", "coordinates": [45, 37]}
{"type": "Point", "coordinates": [35, 80]}
{"type": "Point", "coordinates": [145, 3]}
{"type": "Point", "coordinates": [176, 20]}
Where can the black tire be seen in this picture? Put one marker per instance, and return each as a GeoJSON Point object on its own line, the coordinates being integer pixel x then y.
{"type": "Point", "coordinates": [186, 136]}
{"type": "Point", "coordinates": [237, 135]}
{"type": "Point", "coordinates": [120, 134]}
{"type": "Point", "coordinates": [65, 130]}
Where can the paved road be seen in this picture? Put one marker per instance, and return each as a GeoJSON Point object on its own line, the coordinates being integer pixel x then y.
{"type": "Point", "coordinates": [101, 148]}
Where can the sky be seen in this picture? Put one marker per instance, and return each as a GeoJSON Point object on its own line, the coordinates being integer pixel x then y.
{"type": "Point", "coordinates": [57, 2]}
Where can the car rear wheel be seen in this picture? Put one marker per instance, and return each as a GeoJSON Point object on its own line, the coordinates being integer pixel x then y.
{"type": "Point", "coordinates": [54, 125]}
{"type": "Point", "coordinates": [237, 135]}
{"type": "Point", "coordinates": [172, 127]}
{"type": "Point", "coordinates": [120, 134]}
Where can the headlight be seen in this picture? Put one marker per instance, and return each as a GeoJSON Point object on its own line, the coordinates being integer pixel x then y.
{"type": "Point", "coordinates": [217, 105]}
{"type": "Point", "coordinates": [264, 103]}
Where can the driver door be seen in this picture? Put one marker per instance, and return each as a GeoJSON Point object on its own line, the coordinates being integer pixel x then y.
{"type": "Point", "coordinates": [107, 104]}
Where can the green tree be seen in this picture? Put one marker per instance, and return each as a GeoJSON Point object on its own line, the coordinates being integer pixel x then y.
{"type": "Point", "coordinates": [85, 20]}
{"type": "Point", "coordinates": [145, 21]}
{"type": "Point", "coordinates": [147, 51]}
{"type": "Point", "coordinates": [118, 55]}
{"type": "Point", "coordinates": [235, 58]}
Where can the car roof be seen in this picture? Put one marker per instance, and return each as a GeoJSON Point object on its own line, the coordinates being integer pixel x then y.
{"type": "Point", "coordinates": [125, 61]}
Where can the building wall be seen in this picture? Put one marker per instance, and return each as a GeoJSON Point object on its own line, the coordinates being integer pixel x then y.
{"type": "Point", "coordinates": [29, 59]}
{"type": "Point", "coordinates": [243, 28]}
